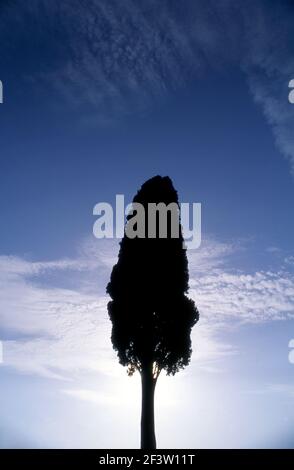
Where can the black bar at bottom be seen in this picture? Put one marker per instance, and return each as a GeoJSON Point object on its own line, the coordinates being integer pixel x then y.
{"type": "Point", "coordinates": [133, 458]}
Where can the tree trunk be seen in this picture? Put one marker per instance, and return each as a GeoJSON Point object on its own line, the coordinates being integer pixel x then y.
{"type": "Point", "coordinates": [148, 440]}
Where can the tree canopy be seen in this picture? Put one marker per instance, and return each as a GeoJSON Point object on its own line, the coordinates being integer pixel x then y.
{"type": "Point", "coordinates": [151, 315]}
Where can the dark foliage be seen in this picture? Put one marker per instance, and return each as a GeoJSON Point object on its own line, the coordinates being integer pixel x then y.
{"type": "Point", "coordinates": [151, 315]}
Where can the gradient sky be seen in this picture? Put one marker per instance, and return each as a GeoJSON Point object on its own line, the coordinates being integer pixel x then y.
{"type": "Point", "coordinates": [98, 97]}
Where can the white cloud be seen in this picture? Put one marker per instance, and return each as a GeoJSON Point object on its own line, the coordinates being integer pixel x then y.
{"type": "Point", "coordinates": [268, 63]}
{"type": "Point", "coordinates": [211, 254]}
{"type": "Point", "coordinates": [62, 332]}
{"type": "Point", "coordinates": [258, 297]}
{"type": "Point", "coordinates": [53, 330]}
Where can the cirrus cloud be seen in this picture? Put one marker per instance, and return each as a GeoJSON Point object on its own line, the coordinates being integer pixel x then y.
{"type": "Point", "coordinates": [61, 332]}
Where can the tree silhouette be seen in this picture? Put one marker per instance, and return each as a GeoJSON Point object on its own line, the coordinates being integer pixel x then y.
{"type": "Point", "coordinates": [151, 315]}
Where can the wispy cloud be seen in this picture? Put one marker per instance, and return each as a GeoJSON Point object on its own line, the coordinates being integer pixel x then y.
{"type": "Point", "coordinates": [116, 58]}
{"type": "Point", "coordinates": [269, 66]}
{"type": "Point", "coordinates": [68, 327]}
{"type": "Point", "coordinates": [262, 296]}
{"type": "Point", "coordinates": [61, 332]}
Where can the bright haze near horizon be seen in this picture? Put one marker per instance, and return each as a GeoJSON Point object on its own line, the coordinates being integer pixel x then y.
{"type": "Point", "coordinates": [98, 97]}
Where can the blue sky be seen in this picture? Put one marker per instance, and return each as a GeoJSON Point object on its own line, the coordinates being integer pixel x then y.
{"type": "Point", "coordinates": [98, 97]}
